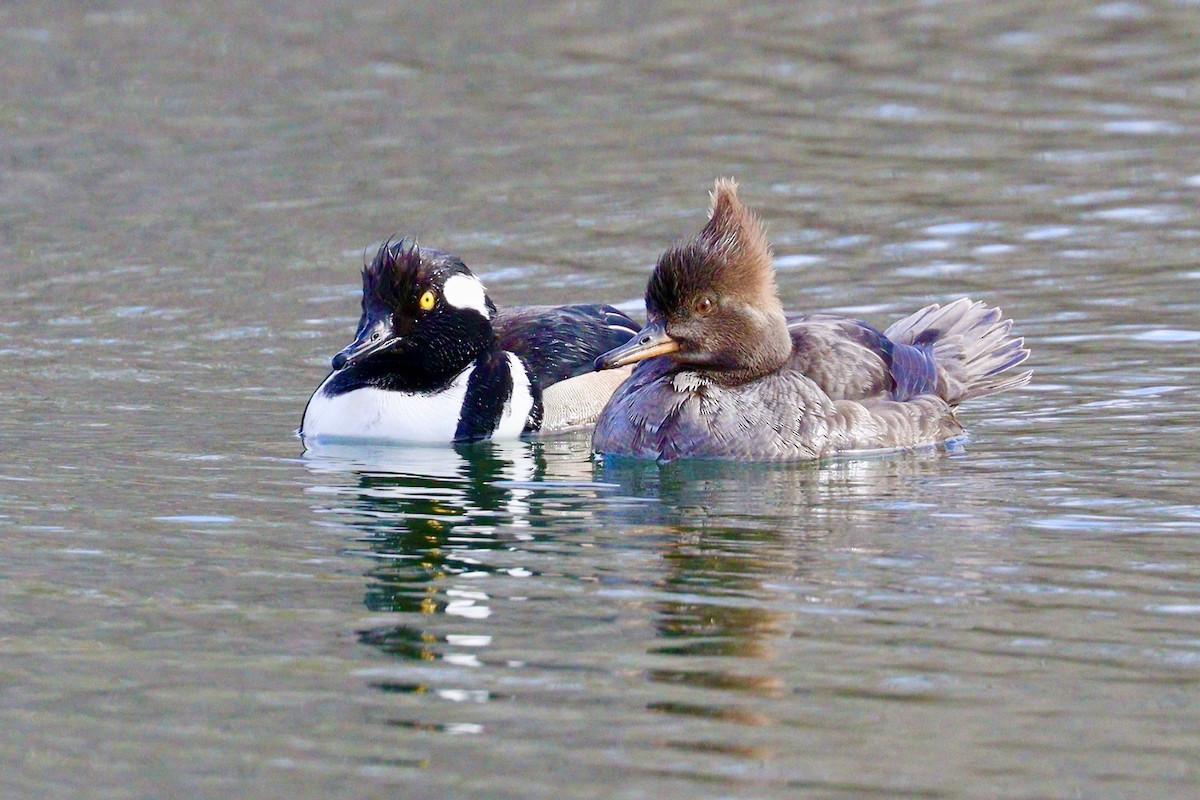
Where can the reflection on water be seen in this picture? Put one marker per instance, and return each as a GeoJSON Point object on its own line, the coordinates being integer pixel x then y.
{"type": "Point", "coordinates": [732, 615]}
{"type": "Point", "coordinates": [741, 538]}
{"type": "Point", "coordinates": [188, 609]}
{"type": "Point", "coordinates": [422, 514]}
{"type": "Point", "coordinates": [709, 553]}
{"type": "Point", "coordinates": [426, 517]}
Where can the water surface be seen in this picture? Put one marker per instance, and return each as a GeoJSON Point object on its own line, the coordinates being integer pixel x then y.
{"type": "Point", "coordinates": [189, 606]}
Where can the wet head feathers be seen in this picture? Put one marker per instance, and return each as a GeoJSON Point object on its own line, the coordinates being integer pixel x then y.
{"type": "Point", "coordinates": [402, 270]}
{"type": "Point", "coordinates": [730, 255]}
{"type": "Point", "coordinates": [392, 275]}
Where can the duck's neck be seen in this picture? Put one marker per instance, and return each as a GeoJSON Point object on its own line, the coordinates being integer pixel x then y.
{"type": "Point", "coordinates": [762, 353]}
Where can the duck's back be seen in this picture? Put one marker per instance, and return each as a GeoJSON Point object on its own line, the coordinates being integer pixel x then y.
{"type": "Point", "coordinates": [560, 342]}
{"type": "Point", "coordinates": [850, 360]}
{"type": "Point", "coordinates": [558, 346]}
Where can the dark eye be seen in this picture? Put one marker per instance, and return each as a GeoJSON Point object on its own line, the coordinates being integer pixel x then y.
{"type": "Point", "coordinates": [703, 305]}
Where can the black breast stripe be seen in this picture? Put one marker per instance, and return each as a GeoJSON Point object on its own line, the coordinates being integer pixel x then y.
{"type": "Point", "coordinates": [488, 389]}
{"type": "Point", "coordinates": [534, 421]}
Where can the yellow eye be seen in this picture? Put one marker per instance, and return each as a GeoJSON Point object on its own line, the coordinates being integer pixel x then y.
{"type": "Point", "coordinates": [427, 301]}
{"type": "Point", "coordinates": [703, 305]}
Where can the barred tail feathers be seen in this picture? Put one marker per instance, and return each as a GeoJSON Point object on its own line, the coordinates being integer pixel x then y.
{"type": "Point", "coordinates": [972, 345]}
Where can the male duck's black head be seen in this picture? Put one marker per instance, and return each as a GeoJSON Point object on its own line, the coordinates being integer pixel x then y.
{"type": "Point", "coordinates": [423, 312]}
{"type": "Point", "coordinates": [711, 304]}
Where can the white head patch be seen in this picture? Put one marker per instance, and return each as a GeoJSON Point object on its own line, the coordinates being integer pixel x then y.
{"type": "Point", "coordinates": [465, 291]}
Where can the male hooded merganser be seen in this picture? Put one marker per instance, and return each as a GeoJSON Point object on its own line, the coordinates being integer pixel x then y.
{"type": "Point", "coordinates": [725, 374]}
{"type": "Point", "coordinates": [433, 361]}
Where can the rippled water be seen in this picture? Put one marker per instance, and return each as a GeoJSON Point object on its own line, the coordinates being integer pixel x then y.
{"type": "Point", "coordinates": [189, 607]}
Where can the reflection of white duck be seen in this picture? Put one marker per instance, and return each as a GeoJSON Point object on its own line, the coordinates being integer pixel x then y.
{"type": "Point", "coordinates": [443, 495]}
{"type": "Point", "coordinates": [511, 461]}
{"type": "Point", "coordinates": [477, 487]}
{"type": "Point", "coordinates": [418, 461]}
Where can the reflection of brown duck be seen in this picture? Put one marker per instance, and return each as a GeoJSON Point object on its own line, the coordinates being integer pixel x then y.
{"type": "Point", "coordinates": [725, 374]}
{"type": "Point", "coordinates": [740, 534]}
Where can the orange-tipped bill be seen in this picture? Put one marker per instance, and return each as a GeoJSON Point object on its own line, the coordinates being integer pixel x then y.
{"type": "Point", "coordinates": [650, 341]}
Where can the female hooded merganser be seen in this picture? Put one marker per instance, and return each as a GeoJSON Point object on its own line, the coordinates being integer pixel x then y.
{"type": "Point", "coordinates": [725, 374]}
{"type": "Point", "coordinates": [433, 361]}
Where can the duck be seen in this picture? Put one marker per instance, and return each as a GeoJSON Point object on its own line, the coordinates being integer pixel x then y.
{"type": "Point", "coordinates": [433, 361]}
{"type": "Point", "coordinates": [721, 372]}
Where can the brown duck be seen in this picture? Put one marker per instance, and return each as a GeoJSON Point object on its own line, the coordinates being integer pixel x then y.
{"type": "Point", "coordinates": [725, 374]}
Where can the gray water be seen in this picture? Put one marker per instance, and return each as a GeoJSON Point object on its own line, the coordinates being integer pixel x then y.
{"type": "Point", "coordinates": [191, 608]}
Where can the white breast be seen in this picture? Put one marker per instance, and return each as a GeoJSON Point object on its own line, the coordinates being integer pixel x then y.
{"type": "Point", "coordinates": [375, 414]}
{"type": "Point", "coordinates": [378, 415]}
{"type": "Point", "coordinates": [520, 402]}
